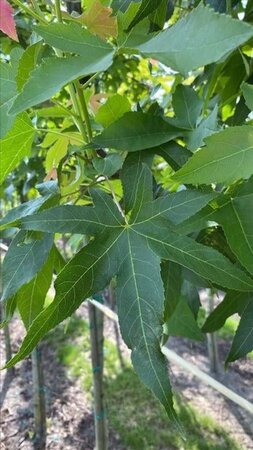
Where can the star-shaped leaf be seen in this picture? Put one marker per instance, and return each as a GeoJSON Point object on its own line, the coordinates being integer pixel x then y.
{"type": "Point", "coordinates": [130, 248]}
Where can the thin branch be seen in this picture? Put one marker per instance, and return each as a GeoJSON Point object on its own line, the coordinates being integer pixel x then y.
{"type": "Point", "coordinates": [115, 199]}
{"type": "Point", "coordinates": [84, 85]}
{"type": "Point", "coordinates": [90, 152]}
{"type": "Point", "coordinates": [84, 109]}
{"type": "Point", "coordinates": [30, 12]}
{"type": "Point", "coordinates": [70, 87]}
{"type": "Point", "coordinates": [58, 133]}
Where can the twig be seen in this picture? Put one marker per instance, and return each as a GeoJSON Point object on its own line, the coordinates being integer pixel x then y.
{"type": "Point", "coordinates": [30, 12]}
{"type": "Point", "coordinates": [115, 199]}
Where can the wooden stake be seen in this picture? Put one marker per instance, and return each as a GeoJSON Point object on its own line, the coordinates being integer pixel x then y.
{"type": "Point", "coordinates": [96, 337]}
{"type": "Point", "coordinates": [38, 401]}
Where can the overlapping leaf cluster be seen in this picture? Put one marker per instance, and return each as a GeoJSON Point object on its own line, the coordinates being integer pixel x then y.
{"type": "Point", "coordinates": [159, 246]}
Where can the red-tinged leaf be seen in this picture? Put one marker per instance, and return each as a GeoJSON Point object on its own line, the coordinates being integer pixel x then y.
{"type": "Point", "coordinates": [52, 175]}
{"type": "Point", "coordinates": [95, 101]}
{"type": "Point", "coordinates": [98, 19]}
{"type": "Point", "coordinates": [7, 23]}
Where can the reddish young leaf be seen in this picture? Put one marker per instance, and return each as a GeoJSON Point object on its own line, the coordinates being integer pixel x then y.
{"type": "Point", "coordinates": [95, 101]}
{"type": "Point", "coordinates": [98, 19]}
{"type": "Point", "coordinates": [7, 23]}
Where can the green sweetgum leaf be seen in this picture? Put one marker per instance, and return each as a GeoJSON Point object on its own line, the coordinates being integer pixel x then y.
{"type": "Point", "coordinates": [16, 144]}
{"type": "Point", "coordinates": [8, 91]}
{"type": "Point", "coordinates": [20, 211]}
{"type": "Point", "coordinates": [131, 251]}
{"type": "Point", "coordinates": [75, 39]}
{"type": "Point", "coordinates": [195, 138]}
{"type": "Point", "coordinates": [146, 7]}
{"type": "Point", "coordinates": [140, 309]}
{"type": "Point", "coordinates": [175, 207]}
{"type": "Point", "coordinates": [31, 297]}
{"type": "Point", "coordinates": [77, 219]}
{"type": "Point", "coordinates": [243, 340]}
{"type": "Point", "coordinates": [181, 304]}
{"type": "Point", "coordinates": [49, 192]}
{"type": "Point", "coordinates": [235, 216]}
{"type": "Point", "coordinates": [141, 189]}
{"type": "Point", "coordinates": [191, 294]}
{"type": "Point", "coordinates": [174, 154]}
{"type": "Point", "coordinates": [23, 261]}
{"type": "Point", "coordinates": [172, 280]}
{"type": "Point", "coordinates": [200, 259]}
{"type": "Point", "coordinates": [187, 106]}
{"type": "Point", "coordinates": [130, 176]}
{"type": "Point", "coordinates": [56, 153]}
{"type": "Point", "coordinates": [136, 131]}
{"type": "Point", "coordinates": [247, 90]}
{"type": "Point", "coordinates": [118, 5]}
{"type": "Point", "coordinates": [234, 302]}
{"type": "Point", "coordinates": [27, 63]}
{"type": "Point", "coordinates": [53, 74]}
{"type": "Point", "coordinates": [114, 108]}
{"type": "Point", "coordinates": [108, 165]}
{"type": "Point", "coordinates": [198, 45]}
{"type": "Point", "coordinates": [183, 323]}
{"type": "Point", "coordinates": [87, 273]}
{"type": "Point", "coordinates": [227, 157]}
{"type": "Point", "coordinates": [198, 221]}
{"type": "Point", "coordinates": [8, 309]}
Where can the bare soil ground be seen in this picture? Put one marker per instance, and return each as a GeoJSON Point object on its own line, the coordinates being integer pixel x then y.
{"type": "Point", "coordinates": [70, 422]}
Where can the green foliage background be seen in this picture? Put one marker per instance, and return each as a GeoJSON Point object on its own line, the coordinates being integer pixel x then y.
{"type": "Point", "coordinates": [142, 144]}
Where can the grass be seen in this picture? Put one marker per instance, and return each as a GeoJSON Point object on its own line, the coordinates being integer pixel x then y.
{"type": "Point", "coordinates": [133, 412]}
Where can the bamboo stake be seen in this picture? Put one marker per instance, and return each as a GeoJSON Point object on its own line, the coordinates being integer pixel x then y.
{"type": "Point", "coordinates": [7, 342]}
{"type": "Point", "coordinates": [38, 401]}
{"type": "Point", "coordinates": [112, 299]}
{"type": "Point", "coordinates": [172, 356]}
{"type": "Point", "coordinates": [7, 339]}
{"type": "Point", "coordinates": [96, 337]}
{"type": "Point", "coordinates": [212, 344]}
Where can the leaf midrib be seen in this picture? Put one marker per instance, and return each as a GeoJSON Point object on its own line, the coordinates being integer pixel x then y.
{"type": "Point", "coordinates": [241, 226]}
{"type": "Point", "coordinates": [54, 307]}
{"type": "Point", "coordinates": [190, 256]}
{"type": "Point", "coordinates": [142, 326]}
{"type": "Point", "coordinates": [83, 44]}
{"type": "Point", "coordinates": [212, 162]}
{"type": "Point", "coordinates": [160, 213]}
{"type": "Point", "coordinates": [26, 255]}
{"type": "Point", "coordinates": [246, 337]}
